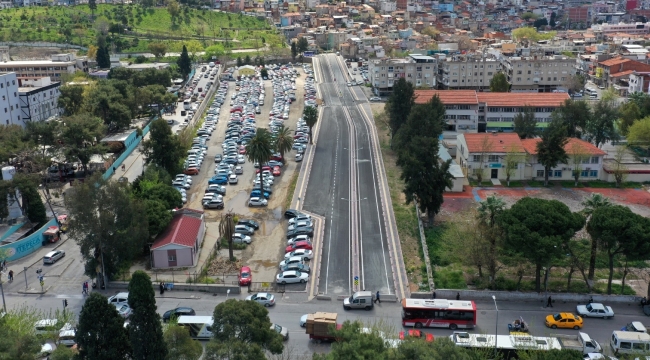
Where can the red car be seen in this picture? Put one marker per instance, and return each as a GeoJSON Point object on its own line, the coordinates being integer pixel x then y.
{"type": "Point", "coordinates": [245, 276]}
{"type": "Point", "coordinates": [276, 171]}
{"type": "Point", "coordinates": [242, 150]}
{"type": "Point", "coordinates": [416, 334]}
{"type": "Point", "coordinates": [276, 157]}
{"type": "Point", "coordinates": [299, 245]}
{"type": "Point", "coordinates": [236, 109]}
{"type": "Point", "coordinates": [191, 171]}
{"type": "Point", "coordinates": [265, 167]}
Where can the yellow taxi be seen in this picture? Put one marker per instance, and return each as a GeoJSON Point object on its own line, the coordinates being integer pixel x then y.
{"type": "Point", "coordinates": [564, 321]}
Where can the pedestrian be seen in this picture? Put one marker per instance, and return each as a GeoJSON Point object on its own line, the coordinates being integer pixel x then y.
{"type": "Point", "coordinates": [114, 169]}
{"type": "Point", "coordinates": [377, 297]}
{"type": "Point", "coordinates": [83, 288]}
{"type": "Point", "coordinates": [123, 167]}
{"type": "Point", "coordinates": [162, 288]}
{"type": "Point", "coordinates": [433, 296]}
{"type": "Point", "coordinates": [591, 299]}
{"type": "Point", "coordinates": [549, 302]}
{"type": "Point", "coordinates": [11, 275]}
{"type": "Point", "coordinates": [457, 296]}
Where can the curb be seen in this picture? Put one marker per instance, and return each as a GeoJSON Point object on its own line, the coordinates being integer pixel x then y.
{"type": "Point", "coordinates": [35, 292]}
{"type": "Point", "coordinates": [323, 297]}
{"type": "Point", "coordinates": [64, 269]}
{"type": "Point", "coordinates": [40, 259]}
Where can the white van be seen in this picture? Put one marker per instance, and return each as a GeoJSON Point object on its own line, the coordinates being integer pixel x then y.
{"type": "Point", "coordinates": [119, 298]}
{"type": "Point", "coordinates": [628, 342]}
{"type": "Point", "coordinates": [359, 300]}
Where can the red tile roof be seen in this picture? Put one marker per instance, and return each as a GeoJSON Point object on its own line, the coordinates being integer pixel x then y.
{"type": "Point", "coordinates": [622, 73]}
{"type": "Point", "coordinates": [447, 96]}
{"type": "Point", "coordinates": [614, 61]}
{"type": "Point", "coordinates": [523, 99]}
{"type": "Point", "coordinates": [183, 230]}
{"type": "Point", "coordinates": [570, 148]}
{"type": "Point", "coordinates": [496, 143]}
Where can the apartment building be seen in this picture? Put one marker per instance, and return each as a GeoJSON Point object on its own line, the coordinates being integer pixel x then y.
{"type": "Point", "coordinates": [632, 29]}
{"type": "Point", "coordinates": [54, 68]}
{"type": "Point", "coordinates": [9, 104]}
{"type": "Point", "coordinates": [538, 73]}
{"type": "Point", "coordinates": [466, 72]}
{"type": "Point", "coordinates": [469, 111]}
{"type": "Point", "coordinates": [419, 70]}
{"type": "Point", "coordinates": [39, 99]}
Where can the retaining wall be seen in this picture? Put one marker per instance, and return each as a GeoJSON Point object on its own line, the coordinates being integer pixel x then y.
{"type": "Point", "coordinates": [525, 297]}
{"type": "Point", "coordinates": [180, 287]}
{"type": "Point", "coordinates": [28, 245]}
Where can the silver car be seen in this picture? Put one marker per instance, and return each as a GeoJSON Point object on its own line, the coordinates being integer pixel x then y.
{"type": "Point", "coordinates": [265, 299]}
{"type": "Point", "coordinates": [291, 277]}
{"type": "Point", "coordinates": [53, 256]}
{"type": "Point", "coordinates": [281, 330]}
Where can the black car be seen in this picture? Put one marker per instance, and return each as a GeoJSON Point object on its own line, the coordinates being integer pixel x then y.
{"type": "Point", "coordinates": [291, 213]}
{"type": "Point", "coordinates": [218, 158]}
{"type": "Point", "coordinates": [300, 231]}
{"type": "Point", "coordinates": [249, 222]}
{"type": "Point", "coordinates": [180, 311]}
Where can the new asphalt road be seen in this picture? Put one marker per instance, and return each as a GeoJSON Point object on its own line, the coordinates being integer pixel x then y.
{"type": "Point", "coordinates": [344, 188]}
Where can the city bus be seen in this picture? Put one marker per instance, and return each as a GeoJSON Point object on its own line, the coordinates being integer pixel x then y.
{"type": "Point", "coordinates": [200, 327]}
{"type": "Point", "coordinates": [452, 314]}
{"type": "Point", "coordinates": [507, 345]}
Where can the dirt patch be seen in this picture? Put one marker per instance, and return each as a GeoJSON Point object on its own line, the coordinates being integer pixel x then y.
{"type": "Point", "coordinates": [405, 215]}
{"type": "Point", "coordinates": [36, 53]}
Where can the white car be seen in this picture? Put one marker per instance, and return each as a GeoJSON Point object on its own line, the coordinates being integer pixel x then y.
{"type": "Point", "coordinates": [374, 98]}
{"type": "Point", "coordinates": [255, 201]}
{"type": "Point", "coordinates": [299, 224]}
{"type": "Point", "coordinates": [292, 276]}
{"type": "Point", "coordinates": [239, 170]}
{"type": "Point", "coordinates": [595, 310]}
{"type": "Point", "coordinates": [233, 179]}
{"type": "Point", "coordinates": [239, 238]}
{"type": "Point", "coordinates": [241, 159]}
{"type": "Point", "coordinates": [298, 238]}
{"type": "Point", "coordinates": [291, 260]}
{"type": "Point", "coordinates": [301, 253]}
{"type": "Point", "coordinates": [301, 217]}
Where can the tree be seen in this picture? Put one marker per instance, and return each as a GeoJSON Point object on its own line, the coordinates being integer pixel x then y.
{"type": "Point", "coordinates": [464, 231]}
{"type": "Point", "coordinates": [100, 333]}
{"type": "Point", "coordinates": [226, 231]}
{"type": "Point", "coordinates": [240, 62]}
{"type": "Point", "coordinates": [619, 169]}
{"type": "Point", "coordinates": [193, 47]}
{"type": "Point", "coordinates": [578, 155]}
{"type": "Point", "coordinates": [294, 51]}
{"type": "Point", "coordinates": [158, 216]}
{"type": "Point", "coordinates": [163, 148]}
{"type": "Point", "coordinates": [592, 203]}
{"type": "Point", "coordinates": [303, 44]}
{"type": "Point", "coordinates": [180, 345]}
{"type": "Point", "coordinates": [484, 147]}
{"type": "Point", "coordinates": [184, 63]}
{"type": "Point", "coordinates": [619, 231]}
{"type": "Point", "coordinates": [399, 104]}
{"type": "Point", "coordinates": [260, 148]}
{"type": "Point", "coordinates": [32, 206]}
{"type": "Point", "coordinates": [629, 113]}
{"type": "Point", "coordinates": [80, 135]}
{"type": "Point", "coordinates": [71, 99]}
{"type": "Point", "coordinates": [540, 23]}
{"type": "Point", "coordinates": [600, 127]}
{"type": "Point", "coordinates": [357, 344]}
{"type": "Point", "coordinates": [525, 123]}
{"type": "Point", "coordinates": [158, 49]}
{"type": "Point", "coordinates": [574, 115]}
{"type": "Point", "coordinates": [174, 9]}
{"type": "Point", "coordinates": [62, 353]}
{"type": "Point", "coordinates": [639, 132]}
{"type": "Point", "coordinates": [531, 34]}
{"type": "Point", "coordinates": [107, 224]}
{"type": "Point", "coordinates": [283, 141]}
{"type": "Point", "coordinates": [499, 83]}
{"type": "Point", "coordinates": [537, 229]}
{"type": "Point", "coordinates": [488, 212]}
{"type": "Point", "coordinates": [550, 150]}
{"type": "Point", "coordinates": [103, 57]}
{"type": "Point", "coordinates": [513, 158]}
{"type": "Point", "coordinates": [264, 73]}
{"type": "Point", "coordinates": [575, 83]}
{"type": "Point", "coordinates": [310, 115]}
{"type": "Point", "coordinates": [552, 23]}
{"type": "Point", "coordinates": [240, 323]}
{"type": "Point", "coordinates": [92, 5]}
{"type": "Point", "coordinates": [247, 60]}
{"type": "Point", "coordinates": [145, 329]}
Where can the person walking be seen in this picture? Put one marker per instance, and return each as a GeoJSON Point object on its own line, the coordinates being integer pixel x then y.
{"type": "Point", "coordinates": [162, 288]}
{"type": "Point", "coordinates": [11, 275]}
{"type": "Point", "coordinates": [377, 299]}
{"type": "Point", "coordinates": [84, 288]}
{"type": "Point", "coordinates": [457, 296]}
{"type": "Point", "coordinates": [433, 296]}
{"type": "Point", "coordinates": [123, 167]}
{"type": "Point", "coordinates": [549, 302]}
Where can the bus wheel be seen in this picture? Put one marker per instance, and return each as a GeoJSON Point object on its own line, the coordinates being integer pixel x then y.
{"type": "Point", "coordinates": [418, 325]}
{"type": "Point", "coordinates": [453, 326]}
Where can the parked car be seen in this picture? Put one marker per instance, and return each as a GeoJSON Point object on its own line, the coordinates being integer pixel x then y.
{"type": "Point", "coordinates": [239, 238]}
{"type": "Point", "coordinates": [256, 201]}
{"type": "Point", "coordinates": [239, 170]}
{"type": "Point", "coordinates": [245, 276]}
{"type": "Point", "coordinates": [233, 179]}
{"type": "Point", "coordinates": [375, 98]}
{"type": "Point", "coordinates": [243, 229]}
{"type": "Point", "coordinates": [292, 260]}
{"type": "Point", "coordinates": [283, 331]}
{"type": "Point", "coordinates": [124, 310]}
{"type": "Point", "coordinates": [296, 267]}
{"type": "Point", "coordinates": [298, 238]}
{"type": "Point", "coordinates": [298, 245]}
{"type": "Point", "coordinates": [302, 253]}
{"type": "Point", "coordinates": [215, 203]}
{"type": "Point", "coordinates": [179, 311]}
{"type": "Point", "coordinates": [595, 310]}
{"type": "Point", "coordinates": [291, 277]}
{"type": "Point", "coordinates": [191, 171]}
{"type": "Point", "coordinates": [300, 231]}
{"type": "Point", "coordinates": [218, 179]}
{"type": "Point", "coordinates": [53, 256]}
{"type": "Point", "coordinates": [414, 333]}
{"type": "Point", "coordinates": [265, 299]}
{"type": "Point", "coordinates": [249, 222]}
{"type": "Point", "coordinates": [291, 213]}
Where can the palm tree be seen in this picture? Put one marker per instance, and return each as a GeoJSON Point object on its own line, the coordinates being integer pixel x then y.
{"type": "Point", "coordinates": [592, 203]}
{"type": "Point", "coordinates": [489, 209]}
{"type": "Point", "coordinates": [311, 116]}
{"type": "Point", "coordinates": [226, 230]}
{"type": "Point", "coordinates": [260, 148]}
{"type": "Point", "coordinates": [283, 141]}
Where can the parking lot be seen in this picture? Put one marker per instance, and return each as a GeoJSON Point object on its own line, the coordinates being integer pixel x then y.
{"type": "Point", "coordinates": [268, 243]}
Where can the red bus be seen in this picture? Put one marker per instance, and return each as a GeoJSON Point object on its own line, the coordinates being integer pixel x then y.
{"type": "Point", "coordinates": [452, 314]}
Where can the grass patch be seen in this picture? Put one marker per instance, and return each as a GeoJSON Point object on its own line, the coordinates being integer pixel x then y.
{"type": "Point", "coordinates": [514, 184]}
{"type": "Point", "coordinates": [572, 184]}
{"type": "Point", "coordinates": [446, 278]}
{"type": "Point", "coordinates": [537, 184]}
{"type": "Point", "coordinates": [612, 185]}
{"type": "Point", "coordinates": [291, 189]}
{"type": "Point", "coordinates": [474, 183]}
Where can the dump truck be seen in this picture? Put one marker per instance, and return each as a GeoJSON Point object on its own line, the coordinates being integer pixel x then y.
{"type": "Point", "coordinates": [318, 326]}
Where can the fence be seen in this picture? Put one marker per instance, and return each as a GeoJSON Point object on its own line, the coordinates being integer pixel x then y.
{"type": "Point", "coordinates": [180, 276]}
{"type": "Point", "coordinates": [133, 141]}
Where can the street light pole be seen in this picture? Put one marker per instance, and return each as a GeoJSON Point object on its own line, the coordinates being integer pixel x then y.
{"type": "Point", "coordinates": [496, 326]}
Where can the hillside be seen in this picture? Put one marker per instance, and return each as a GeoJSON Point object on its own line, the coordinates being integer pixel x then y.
{"type": "Point", "coordinates": [131, 27]}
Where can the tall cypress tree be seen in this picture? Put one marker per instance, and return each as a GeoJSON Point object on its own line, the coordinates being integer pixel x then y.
{"type": "Point", "coordinates": [145, 331]}
{"type": "Point", "coordinates": [184, 63]}
{"type": "Point", "coordinates": [399, 104]}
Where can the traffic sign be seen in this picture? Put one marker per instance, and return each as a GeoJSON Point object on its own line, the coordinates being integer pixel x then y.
{"type": "Point", "coordinates": [356, 278]}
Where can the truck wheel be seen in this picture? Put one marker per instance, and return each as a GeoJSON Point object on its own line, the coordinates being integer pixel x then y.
{"type": "Point", "coordinates": [553, 326]}
{"type": "Point", "coordinates": [418, 325]}
{"type": "Point", "coordinates": [453, 326]}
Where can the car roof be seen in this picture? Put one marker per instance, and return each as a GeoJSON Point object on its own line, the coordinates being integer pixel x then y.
{"type": "Point", "coordinates": [245, 268]}
{"type": "Point", "coordinates": [597, 306]}
{"type": "Point", "coordinates": [52, 253]}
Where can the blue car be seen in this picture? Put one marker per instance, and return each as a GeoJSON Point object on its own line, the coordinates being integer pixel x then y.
{"type": "Point", "coordinates": [230, 161]}
{"type": "Point", "coordinates": [256, 193]}
{"type": "Point", "coordinates": [218, 179]}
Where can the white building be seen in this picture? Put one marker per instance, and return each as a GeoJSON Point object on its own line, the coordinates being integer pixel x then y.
{"type": "Point", "coordinates": [419, 70]}
{"type": "Point", "coordinates": [39, 100]}
{"type": "Point", "coordinates": [9, 105]}
{"type": "Point", "coordinates": [388, 7]}
{"type": "Point", "coordinates": [35, 69]}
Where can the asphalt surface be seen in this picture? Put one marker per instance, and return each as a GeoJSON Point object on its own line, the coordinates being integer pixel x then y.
{"type": "Point", "coordinates": [343, 188]}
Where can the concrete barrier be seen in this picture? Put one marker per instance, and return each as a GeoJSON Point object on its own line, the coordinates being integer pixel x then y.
{"type": "Point", "coordinates": [525, 296]}
{"type": "Point", "coordinates": [212, 289]}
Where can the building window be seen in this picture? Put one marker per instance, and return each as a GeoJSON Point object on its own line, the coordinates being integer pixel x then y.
{"type": "Point", "coordinates": [540, 173]}
{"type": "Point", "coordinates": [171, 258]}
{"type": "Point", "coordinates": [558, 173]}
{"type": "Point", "coordinates": [593, 173]}
{"type": "Point", "coordinates": [594, 159]}
{"type": "Point", "coordinates": [493, 158]}
{"type": "Point", "coordinates": [476, 158]}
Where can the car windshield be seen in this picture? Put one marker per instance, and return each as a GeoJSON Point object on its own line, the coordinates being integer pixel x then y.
{"type": "Point", "coordinates": [244, 275]}
{"type": "Point", "coordinates": [589, 307]}
{"type": "Point", "coordinates": [277, 328]}
{"type": "Point", "coordinates": [557, 317]}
